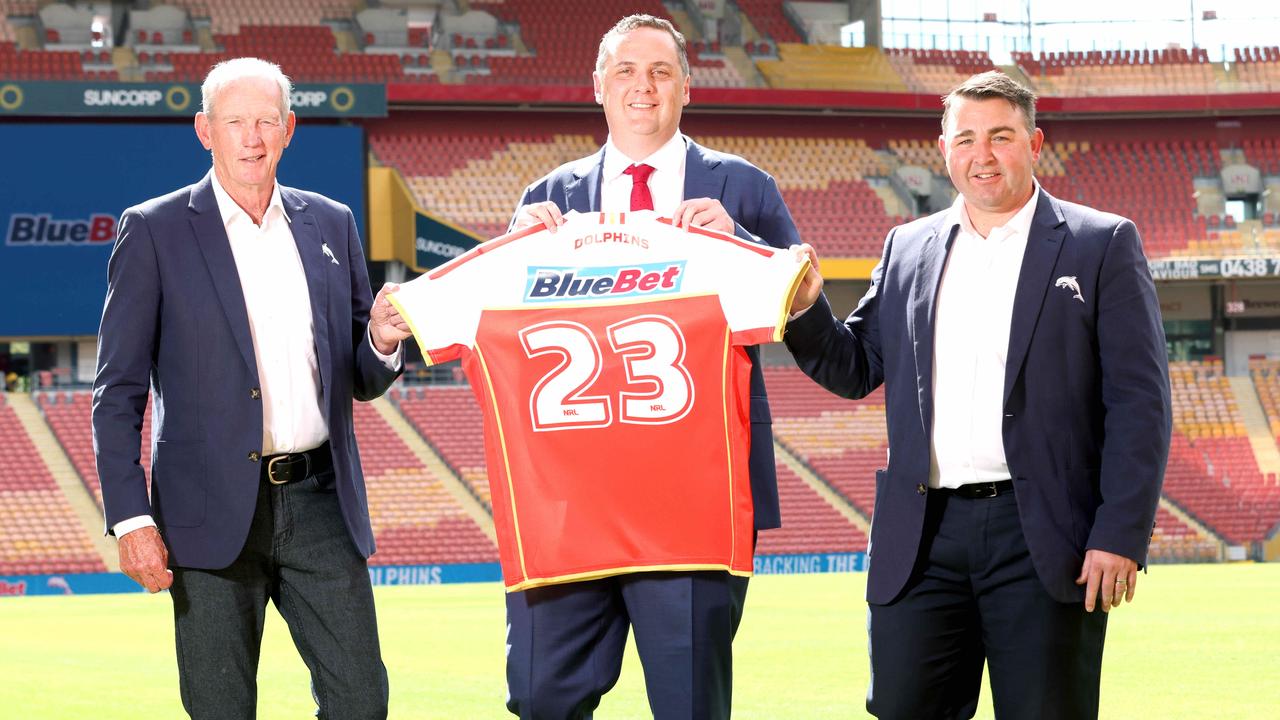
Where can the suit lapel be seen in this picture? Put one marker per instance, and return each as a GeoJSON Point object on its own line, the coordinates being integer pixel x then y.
{"type": "Point", "coordinates": [315, 262]}
{"type": "Point", "coordinates": [211, 237]}
{"type": "Point", "coordinates": [700, 178]}
{"type": "Point", "coordinates": [582, 192]}
{"type": "Point", "coordinates": [1044, 244]}
{"type": "Point", "coordinates": [930, 263]}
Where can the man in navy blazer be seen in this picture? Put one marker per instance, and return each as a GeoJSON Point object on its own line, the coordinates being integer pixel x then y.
{"type": "Point", "coordinates": [566, 641]}
{"type": "Point", "coordinates": [1020, 344]}
{"type": "Point", "coordinates": [242, 307]}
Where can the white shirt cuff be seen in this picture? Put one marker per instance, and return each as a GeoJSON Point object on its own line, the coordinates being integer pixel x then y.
{"type": "Point", "coordinates": [392, 361]}
{"type": "Point", "coordinates": [798, 313]}
{"type": "Point", "coordinates": [124, 527]}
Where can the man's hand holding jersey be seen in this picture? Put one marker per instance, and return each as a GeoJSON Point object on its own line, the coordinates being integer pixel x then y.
{"type": "Point", "coordinates": [811, 285]}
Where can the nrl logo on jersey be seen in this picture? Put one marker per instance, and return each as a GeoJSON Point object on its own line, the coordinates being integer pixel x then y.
{"type": "Point", "coordinates": [557, 284]}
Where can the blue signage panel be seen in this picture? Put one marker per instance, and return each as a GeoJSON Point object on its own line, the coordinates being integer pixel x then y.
{"type": "Point", "coordinates": [65, 185]}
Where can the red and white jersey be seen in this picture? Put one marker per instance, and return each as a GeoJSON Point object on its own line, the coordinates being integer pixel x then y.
{"type": "Point", "coordinates": [608, 358]}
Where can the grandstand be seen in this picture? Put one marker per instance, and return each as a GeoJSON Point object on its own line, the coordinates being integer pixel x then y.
{"type": "Point", "coordinates": [482, 103]}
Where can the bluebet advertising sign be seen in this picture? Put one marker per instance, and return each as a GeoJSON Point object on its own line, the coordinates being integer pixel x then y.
{"type": "Point", "coordinates": [65, 185]}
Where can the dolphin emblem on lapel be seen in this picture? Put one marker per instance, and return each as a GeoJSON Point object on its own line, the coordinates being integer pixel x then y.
{"type": "Point", "coordinates": [1069, 282]}
{"type": "Point", "coordinates": [324, 248]}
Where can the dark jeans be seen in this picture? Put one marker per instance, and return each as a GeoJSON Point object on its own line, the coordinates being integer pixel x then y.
{"type": "Point", "coordinates": [565, 643]}
{"type": "Point", "coordinates": [300, 557]}
{"type": "Point", "coordinates": [974, 596]}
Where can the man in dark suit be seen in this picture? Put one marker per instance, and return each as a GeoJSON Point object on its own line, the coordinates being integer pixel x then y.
{"type": "Point", "coordinates": [1020, 344]}
{"type": "Point", "coordinates": [243, 308]}
{"type": "Point", "coordinates": [566, 641]}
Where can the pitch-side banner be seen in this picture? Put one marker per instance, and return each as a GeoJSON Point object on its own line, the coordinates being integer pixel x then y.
{"type": "Point", "coordinates": [64, 186]}
{"type": "Point", "coordinates": [1215, 268]}
{"type": "Point", "coordinates": [174, 99]}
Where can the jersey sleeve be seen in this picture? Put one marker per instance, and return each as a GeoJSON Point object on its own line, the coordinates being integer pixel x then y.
{"type": "Point", "coordinates": [756, 295]}
{"type": "Point", "coordinates": [442, 310]}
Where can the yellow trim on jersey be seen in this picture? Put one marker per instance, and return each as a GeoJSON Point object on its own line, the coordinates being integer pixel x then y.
{"type": "Point", "coordinates": [785, 315]}
{"type": "Point", "coordinates": [597, 574]}
{"type": "Point", "coordinates": [506, 461]}
{"type": "Point", "coordinates": [426, 356]}
{"type": "Point", "coordinates": [728, 438]}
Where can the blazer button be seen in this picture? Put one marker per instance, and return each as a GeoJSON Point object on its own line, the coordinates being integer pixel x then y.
{"type": "Point", "coordinates": [921, 489]}
{"type": "Point", "coordinates": [253, 456]}
{"type": "Point", "coordinates": [255, 393]}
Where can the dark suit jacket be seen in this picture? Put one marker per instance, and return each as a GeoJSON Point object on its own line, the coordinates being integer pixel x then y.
{"type": "Point", "coordinates": [751, 198]}
{"type": "Point", "coordinates": [1086, 392]}
{"type": "Point", "coordinates": [175, 323]}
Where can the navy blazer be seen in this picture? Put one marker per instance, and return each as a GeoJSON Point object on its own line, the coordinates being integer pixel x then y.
{"type": "Point", "coordinates": [751, 198]}
{"type": "Point", "coordinates": [1087, 415]}
{"type": "Point", "coordinates": [175, 324]}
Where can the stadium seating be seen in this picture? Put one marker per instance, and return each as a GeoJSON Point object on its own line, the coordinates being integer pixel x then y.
{"type": "Point", "coordinates": [305, 53]}
{"type": "Point", "coordinates": [49, 65]}
{"type": "Point", "coordinates": [39, 532]}
{"type": "Point", "coordinates": [68, 414]}
{"type": "Point", "coordinates": [936, 72]}
{"type": "Point", "coordinates": [1109, 72]}
{"type": "Point", "coordinates": [449, 419]}
{"type": "Point", "coordinates": [1212, 473]}
{"type": "Point", "coordinates": [827, 67]}
{"type": "Point", "coordinates": [770, 21]}
{"type": "Point", "coordinates": [415, 519]}
{"type": "Point", "coordinates": [1150, 182]}
{"type": "Point", "coordinates": [227, 16]}
{"type": "Point", "coordinates": [809, 523]}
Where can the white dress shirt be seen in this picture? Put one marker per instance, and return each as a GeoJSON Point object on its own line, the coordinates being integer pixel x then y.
{"type": "Point", "coordinates": [282, 327]}
{"type": "Point", "coordinates": [971, 345]}
{"type": "Point", "coordinates": [666, 184]}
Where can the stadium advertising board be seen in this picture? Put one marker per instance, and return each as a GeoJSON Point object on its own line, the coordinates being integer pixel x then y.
{"type": "Point", "coordinates": [66, 184]}
{"type": "Point", "coordinates": [175, 99]}
{"type": "Point", "coordinates": [98, 583]}
{"type": "Point", "coordinates": [1215, 268]}
{"type": "Point", "coordinates": [810, 563]}
{"type": "Point", "coordinates": [437, 242]}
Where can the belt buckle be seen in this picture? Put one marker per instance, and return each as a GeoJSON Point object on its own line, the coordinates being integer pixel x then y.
{"type": "Point", "coordinates": [986, 490]}
{"type": "Point", "coordinates": [288, 457]}
{"type": "Point", "coordinates": [271, 470]}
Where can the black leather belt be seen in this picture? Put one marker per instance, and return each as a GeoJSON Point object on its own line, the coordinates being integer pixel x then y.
{"type": "Point", "coordinates": [977, 491]}
{"type": "Point", "coordinates": [288, 468]}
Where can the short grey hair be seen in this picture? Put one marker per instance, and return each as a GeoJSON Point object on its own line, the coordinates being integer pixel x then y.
{"type": "Point", "coordinates": [229, 71]}
{"type": "Point", "coordinates": [635, 22]}
{"type": "Point", "coordinates": [992, 85]}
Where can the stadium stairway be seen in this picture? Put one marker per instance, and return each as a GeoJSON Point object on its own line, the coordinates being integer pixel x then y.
{"type": "Point", "coordinates": [427, 456]}
{"type": "Point", "coordinates": [65, 475]}
{"type": "Point", "coordinates": [1256, 424]}
{"type": "Point", "coordinates": [824, 490]}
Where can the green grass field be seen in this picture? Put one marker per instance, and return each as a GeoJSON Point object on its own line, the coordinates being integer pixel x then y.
{"type": "Point", "coordinates": [1201, 641]}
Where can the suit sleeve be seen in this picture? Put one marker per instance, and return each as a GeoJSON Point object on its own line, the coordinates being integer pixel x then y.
{"type": "Point", "coordinates": [127, 341]}
{"type": "Point", "coordinates": [773, 224]}
{"type": "Point", "coordinates": [845, 358]}
{"type": "Point", "coordinates": [1135, 397]}
{"type": "Point", "coordinates": [372, 377]}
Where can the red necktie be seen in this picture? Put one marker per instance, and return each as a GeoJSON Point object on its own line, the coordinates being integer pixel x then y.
{"type": "Point", "coordinates": [641, 199]}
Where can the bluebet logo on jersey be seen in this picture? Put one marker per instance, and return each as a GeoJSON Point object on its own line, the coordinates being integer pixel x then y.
{"type": "Point", "coordinates": [555, 284]}
{"type": "Point", "coordinates": [26, 230]}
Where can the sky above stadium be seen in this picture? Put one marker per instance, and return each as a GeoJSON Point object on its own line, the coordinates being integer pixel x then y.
{"type": "Point", "coordinates": [1078, 25]}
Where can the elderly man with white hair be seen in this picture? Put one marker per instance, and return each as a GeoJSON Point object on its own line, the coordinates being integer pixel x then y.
{"type": "Point", "coordinates": [243, 308]}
